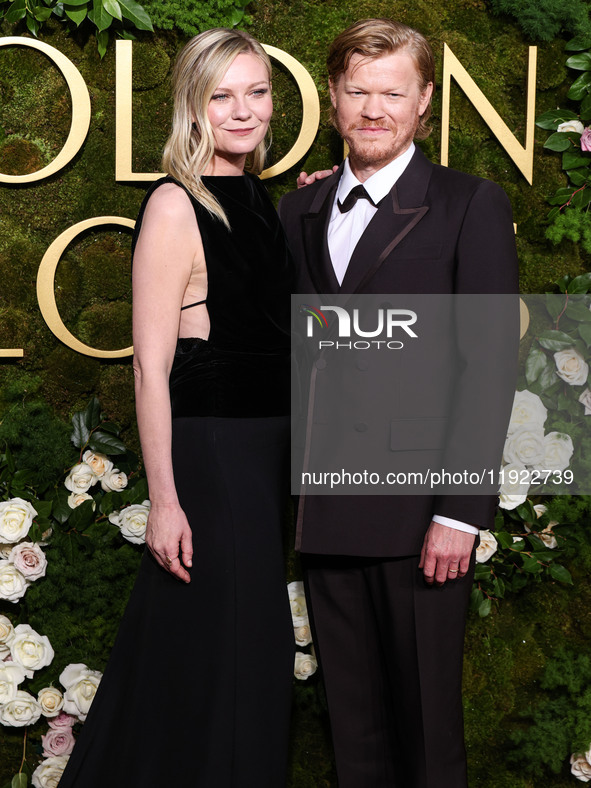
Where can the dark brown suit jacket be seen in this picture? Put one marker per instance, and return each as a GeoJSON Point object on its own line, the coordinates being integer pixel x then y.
{"type": "Point", "coordinates": [438, 231]}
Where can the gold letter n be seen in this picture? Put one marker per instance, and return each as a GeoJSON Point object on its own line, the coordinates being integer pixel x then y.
{"type": "Point", "coordinates": [522, 156]}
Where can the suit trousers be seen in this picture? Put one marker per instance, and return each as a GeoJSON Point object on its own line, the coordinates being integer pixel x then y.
{"type": "Point", "coordinates": [391, 649]}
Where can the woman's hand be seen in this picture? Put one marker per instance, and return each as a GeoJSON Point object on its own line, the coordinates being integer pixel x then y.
{"type": "Point", "coordinates": [169, 537]}
{"type": "Point", "coordinates": [305, 180]}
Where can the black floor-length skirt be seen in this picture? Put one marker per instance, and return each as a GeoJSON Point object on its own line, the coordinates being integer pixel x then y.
{"type": "Point", "coordinates": [197, 691]}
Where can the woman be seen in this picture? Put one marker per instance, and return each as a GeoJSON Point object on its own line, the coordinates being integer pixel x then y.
{"type": "Point", "coordinates": [197, 691]}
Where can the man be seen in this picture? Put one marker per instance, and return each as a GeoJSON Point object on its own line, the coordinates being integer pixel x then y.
{"type": "Point", "coordinates": [388, 577]}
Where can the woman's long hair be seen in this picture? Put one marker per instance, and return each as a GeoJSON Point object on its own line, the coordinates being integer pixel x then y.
{"type": "Point", "coordinates": [198, 70]}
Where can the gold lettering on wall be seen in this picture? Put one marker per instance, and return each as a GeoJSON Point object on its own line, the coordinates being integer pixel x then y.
{"type": "Point", "coordinates": [46, 287]}
{"type": "Point", "coordinates": [310, 110]}
{"type": "Point", "coordinates": [124, 115]}
{"type": "Point", "coordinates": [522, 156]}
{"type": "Point", "coordinates": [80, 122]}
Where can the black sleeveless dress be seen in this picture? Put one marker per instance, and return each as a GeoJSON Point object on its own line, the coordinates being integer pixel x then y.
{"type": "Point", "coordinates": [197, 691]}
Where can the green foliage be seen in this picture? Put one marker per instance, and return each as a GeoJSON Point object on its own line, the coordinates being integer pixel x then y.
{"type": "Point", "coordinates": [193, 16]}
{"type": "Point", "coordinates": [574, 225]}
{"type": "Point", "coordinates": [104, 15]}
{"type": "Point", "coordinates": [559, 722]}
{"type": "Point", "coordinates": [543, 20]}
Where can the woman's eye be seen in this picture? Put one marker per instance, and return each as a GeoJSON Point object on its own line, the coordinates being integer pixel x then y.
{"type": "Point", "coordinates": [219, 97]}
{"type": "Point", "coordinates": [260, 92]}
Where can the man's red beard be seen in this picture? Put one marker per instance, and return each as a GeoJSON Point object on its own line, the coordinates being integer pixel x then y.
{"type": "Point", "coordinates": [367, 153]}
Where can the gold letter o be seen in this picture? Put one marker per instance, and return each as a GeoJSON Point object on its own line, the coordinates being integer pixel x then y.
{"type": "Point", "coordinates": [80, 109]}
{"type": "Point", "coordinates": [310, 116]}
{"type": "Point", "coordinates": [46, 282]}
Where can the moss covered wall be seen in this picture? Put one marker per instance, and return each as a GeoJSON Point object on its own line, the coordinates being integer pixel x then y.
{"type": "Point", "coordinates": [506, 652]}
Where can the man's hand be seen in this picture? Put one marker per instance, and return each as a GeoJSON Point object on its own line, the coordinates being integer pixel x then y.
{"type": "Point", "coordinates": [305, 180]}
{"type": "Point", "coordinates": [446, 553]}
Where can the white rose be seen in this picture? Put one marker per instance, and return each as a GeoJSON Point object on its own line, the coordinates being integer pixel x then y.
{"type": "Point", "coordinates": [77, 499]}
{"type": "Point", "coordinates": [580, 767]}
{"type": "Point", "coordinates": [302, 634]}
{"type": "Point", "coordinates": [524, 446]}
{"type": "Point", "coordinates": [16, 517]}
{"type": "Point", "coordinates": [49, 772]}
{"type": "Point", "coordinates": [585, 400]}
{"type": "Point", "coordinates": [30, 560]}
{"type": "Point", "coordinates": [558, 449]}
{"type": "Point", "coordinates": [529, 409]}
{"type": "Point", "coordinates": [11, 675]}
{"type": "Point", "coordinates": [487, 546]}
{"type": "Point", "coordinates": [21, 710]}
{"type": "Point", "coordinates": [297, 598]}
{"type": "Point", "coordinates": [80, 479]}
{"type": "Point", "coordinates": [99, 463]}
{"type": "Point", "coordinates": [114, 480]}
{"type": "Point", "coordinates": [305, 665]}
{"type": "Point", "coordinates": [30, 649]}
{"type": "Point", "coordinates": [51, 701]}
{"type": "Point", "coordinates": [13, 585]}
{"type": "Point", "coordinates": [571, 366]}
{"type": "Point", "coordinates": [571, 125]}
{"type": "Point", "coordinates": [81, 684]}
{"type": "Point", "coordinates": [132, 521]}
{"type": "Point", "coordinates": [512, 491]}
{"type": "Point", "coordinates": [6, 631]}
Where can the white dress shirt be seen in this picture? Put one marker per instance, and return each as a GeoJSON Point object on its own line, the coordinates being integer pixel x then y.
{"type": "Point", "coordinates": [345, 230]}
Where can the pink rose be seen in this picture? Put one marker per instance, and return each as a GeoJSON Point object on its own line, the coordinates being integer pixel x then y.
{"type": "Point", "coordinates": [29, 559]}
{"type": "Point", "coordinates": [586, 139]}
{"type": "Point", "coordinates": [63, 720]}
{"type": "Point", "coordinates": [57, 742]}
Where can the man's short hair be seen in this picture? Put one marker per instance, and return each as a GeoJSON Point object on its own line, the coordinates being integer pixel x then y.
{"type": "Point", "coordinates": [373, 38]}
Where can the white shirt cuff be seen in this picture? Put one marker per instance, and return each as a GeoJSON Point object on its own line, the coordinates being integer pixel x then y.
{"type": "Point", "coordinates": [457, 524]}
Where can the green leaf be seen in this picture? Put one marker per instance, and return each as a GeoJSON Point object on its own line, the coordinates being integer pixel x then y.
{"type": "Point", "coordinates": [580, 62]}
{"type": "Point", "coordinates": [19, 780]}
{"type": "Point", "coordinates": [82, 516]}
{"type": "Point", "coordinates": [43, 508]}
{"type": "Point", "coordinates": [586, 109]}
{"type": "Point", "coordinates": [102, 41]}
{"type": "Point", "coordinates": [76, 16]}
{"type": "Point", "coordinates": [109, 426]}
{"type": "Point", "coordinates": [559, 141]}
{"type": "Point", "coordinates": [553, 118]}
{"type": "Point", "coordinates": [106, 442]}
{"type": "Point", "coordinates": [580, 41]}
{"type": "Point", "coordinates": [476, 598]}
{"type": "Point", "coordinates": [561, 574]}
{"type": "Point", "coordinates": [482, 572]}
{"type": "Point", "coordinates": [61, 509]}
{"type": "Point", "coordinates": [577, 177]}
{"type": "Point", "coordinates": [81, 433]}
{"type": "Point", "coordinates": [99, 17]}
{"type": "Point", "coordinates": [236, 16]}
{"type": "Point", "coordinates": [504, 538]}
{"type": "Point", "coordinates": [578, 311]}
{"type": "Point", "coordinates": [139, 492]}
{"type": "Point", "coordinates": [581, 198]}
{"type": "Point", "coordinates": [574, 158]}
{"type": "Point", "coordinates": [530, 563]}
{"type": "Point", "coordinates": [16, 12]}
{"type": "Point", "coordinates": [519, 545]}
{"type": "Point", "coordinates": [70, 545]}
{"type": "Point", "coordinates": [563, 195]}
{"type": "Point", "coordinates": [580, 87]}
{"type": "Point", "coordinates": [536, 362]}
{"type": "Point", "coordinates": [113, 8]}
{"type": "Point", "coordinates": [75, 3]}
{"type": "Point", "coordinates": [585, 332]}
{"type": "Point", "coordinates": [555, 340]}
{"type": "Point", "coordinates": [136, 14]}
{"type": "Point", "coordinates": [485, 607]}
{"type": "Point", "coordinates": [42, 13]}
{"type": "Point", "coordinates": [92, 414]}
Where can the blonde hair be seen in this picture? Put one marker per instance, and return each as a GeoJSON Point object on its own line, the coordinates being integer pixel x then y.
{"type": "Point", "coordinates": [197, 72]}
{"type": "Point", "coordinates": [373, 38]}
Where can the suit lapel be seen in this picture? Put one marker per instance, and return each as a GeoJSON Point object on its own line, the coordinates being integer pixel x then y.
{"type": "Point", "coordinates": [399, 213]}
{"type": "Point", "coordinates": [315, 227]}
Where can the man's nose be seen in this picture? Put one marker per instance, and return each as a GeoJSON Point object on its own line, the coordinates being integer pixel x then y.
{"type": "Point", "coordinates": [372, 107]}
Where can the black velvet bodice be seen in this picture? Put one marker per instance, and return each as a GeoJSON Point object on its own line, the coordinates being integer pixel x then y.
{"type": "Point", "coordinates": [243, 368]}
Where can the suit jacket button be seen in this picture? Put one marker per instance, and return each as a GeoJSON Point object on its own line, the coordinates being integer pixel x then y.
{"type": "Point", "coordinates": [361, 426]}
{"type": "Point", "coordinates": [362, 363]}
{"type": "Point", "coordinates": [321, 363]}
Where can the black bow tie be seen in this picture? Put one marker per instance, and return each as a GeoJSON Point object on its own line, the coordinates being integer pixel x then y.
{"type": "Point", "coordinates": [357, 193]}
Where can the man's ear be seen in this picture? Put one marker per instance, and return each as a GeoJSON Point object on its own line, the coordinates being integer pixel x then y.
{"type": "Point", "coordinates": [333, 92]}
{"type": "Point", "coordinates": [425, 98]}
